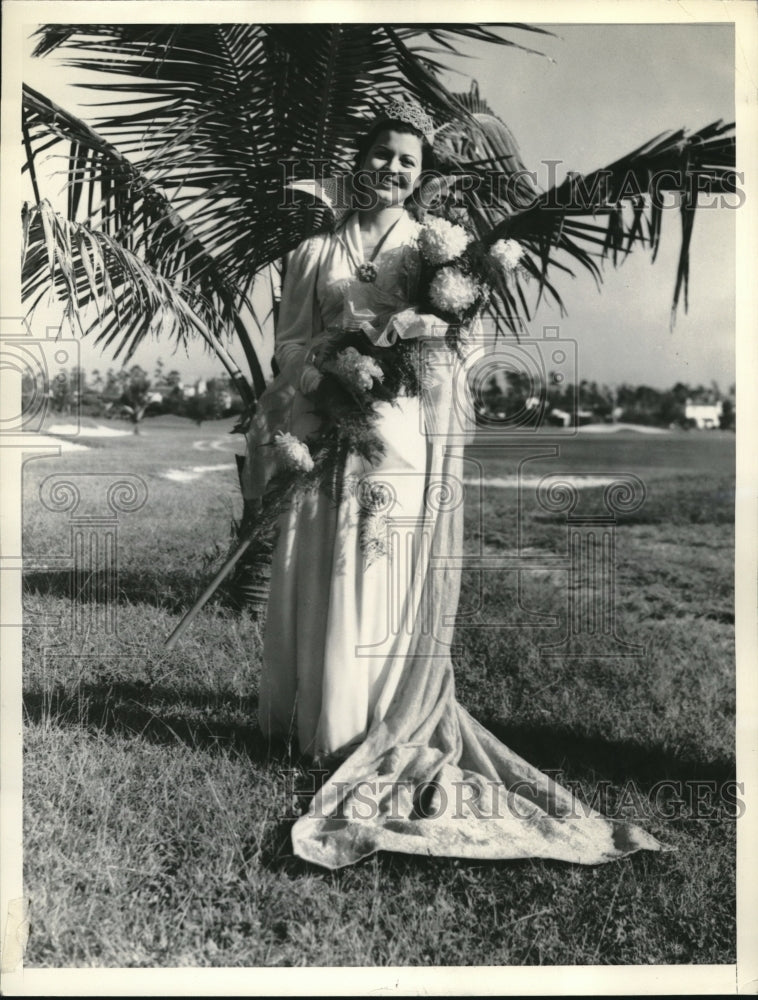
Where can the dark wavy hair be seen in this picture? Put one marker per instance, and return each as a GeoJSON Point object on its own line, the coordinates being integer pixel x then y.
{"type": "Point", "coordinates": [428, 159]}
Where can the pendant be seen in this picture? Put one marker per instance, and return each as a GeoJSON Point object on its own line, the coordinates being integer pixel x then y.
{"type": "Point", "coordinates": [366, 273]}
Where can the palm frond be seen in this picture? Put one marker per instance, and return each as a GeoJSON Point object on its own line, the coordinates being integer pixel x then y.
{"type": "Point", "coordinates": [125, 204]}
{"type": "Point", "coordinates": [212, 122]}
{"type": "Point", "coordinates": [87, 268]}
{"type": "Point", "coordinates": [629, 195]}
{"type": "Point", "coordinates": [227, 110]}
{"type": "Point", "coordinates": [585, 219]}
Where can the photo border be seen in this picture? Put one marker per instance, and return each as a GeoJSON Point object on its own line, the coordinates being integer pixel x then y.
{"type": "Point", "coordinates": [565, 980]}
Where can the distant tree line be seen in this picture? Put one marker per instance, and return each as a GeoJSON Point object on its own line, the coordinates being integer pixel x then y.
{"type": "Point", "coordinates": [132, 394]}
{"type": "Point", "coordinates": [513, 396]}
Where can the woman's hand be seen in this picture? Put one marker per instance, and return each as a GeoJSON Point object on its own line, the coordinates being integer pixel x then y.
{"type": "Point", "coordinates": [412, 325]}
{"type": "Point", "coordinates": [310, 379]}
{"type": "Point", "coordinates": [321, 346]}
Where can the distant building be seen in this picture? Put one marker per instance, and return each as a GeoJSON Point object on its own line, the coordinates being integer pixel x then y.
{"type": "Point", "coordinates": [562, 418]}
{"type": "Point", "coordinates": [198, 389]}
{"type": "Point", "coordinates": [707, 416]}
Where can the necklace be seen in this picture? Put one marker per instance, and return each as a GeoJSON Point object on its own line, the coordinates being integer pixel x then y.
{"type": "Point", "coordinates": [367, 271]}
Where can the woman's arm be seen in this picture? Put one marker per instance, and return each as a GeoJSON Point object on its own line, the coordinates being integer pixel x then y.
{"type": "Point", "coordinates": [297, 309]}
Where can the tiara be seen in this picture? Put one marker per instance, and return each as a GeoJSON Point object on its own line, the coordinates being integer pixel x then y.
{"type": "Point", "coordinates": [411, 113]}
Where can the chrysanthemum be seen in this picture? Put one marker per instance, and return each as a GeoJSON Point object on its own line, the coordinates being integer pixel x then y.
{"type": "Point", "coordinates": [441, 241]}
{"type": "Point", "coordinates": [295, 452]}
{"type": "Point", "coordinates": [451, 291]}
{"type": "Point", "coordinates": [507, 253]}
{"type": "Point", "coordinates": [357, 370]}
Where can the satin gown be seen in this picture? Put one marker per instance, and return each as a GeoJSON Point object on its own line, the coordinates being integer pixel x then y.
{"type": "Point", "coordinates": [356, 662]}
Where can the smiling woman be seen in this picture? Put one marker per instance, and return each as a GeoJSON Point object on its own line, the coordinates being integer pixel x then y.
{"type": "Point", "coordinates": [561, 113]}
{"type": "Point", "coordinates": [390, 160]}
{"type": "Point", "coordinates": [389, 173]}
{"type": "Point", "coordinates": [147, 781]}
{"type": "Point", "coordinates": [365, 575]}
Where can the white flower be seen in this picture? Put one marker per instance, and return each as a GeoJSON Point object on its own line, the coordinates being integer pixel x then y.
{"type": "Point", "coordinates": [413, 234]}
{"type": "Point", "coordinates": [294, 451]}
{"type": "Point", "coordinates": [356, 369]}
{"type": "Point", "coordinates": [507, 253]}
{"type": "Point", "coordinates": [451, 291]}
{"type": "Point", "coordinates": [441, 241]}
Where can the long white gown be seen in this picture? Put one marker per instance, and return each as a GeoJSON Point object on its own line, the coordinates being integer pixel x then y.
{"type": "Point", "coordinates": [356, 659]}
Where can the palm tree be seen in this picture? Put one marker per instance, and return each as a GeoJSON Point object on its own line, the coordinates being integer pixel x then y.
{"type": "Point", "coordinates": [136, 396]}
{"type": "Point", "coordinates": [175, 205]}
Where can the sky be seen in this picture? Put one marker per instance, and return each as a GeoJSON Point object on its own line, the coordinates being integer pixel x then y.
{"type": "Point", "coordinates": [608, 90]}
{"type": "Point", "coordinates": [598, 92]}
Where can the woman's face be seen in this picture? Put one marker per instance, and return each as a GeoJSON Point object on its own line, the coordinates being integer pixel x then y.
{"type": "Point", "coordinates": [394, 159]}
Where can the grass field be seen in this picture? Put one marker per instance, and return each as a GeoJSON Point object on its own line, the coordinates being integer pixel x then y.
{"type": "Point", "coordinates": [157, 821]}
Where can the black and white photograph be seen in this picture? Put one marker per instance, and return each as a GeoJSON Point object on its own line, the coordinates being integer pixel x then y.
{"type": "Point", "coordinates": [378, 538]}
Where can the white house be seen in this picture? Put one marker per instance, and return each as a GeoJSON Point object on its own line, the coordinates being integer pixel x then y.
{"type": "Point", "coordinates": [706, 415]}
{"type": "Point", "coordinates": [198, 389]}
{"type": "Point", "coordinates": [571, 419]}
{"type": "Point", "coordinates": [561, 416]}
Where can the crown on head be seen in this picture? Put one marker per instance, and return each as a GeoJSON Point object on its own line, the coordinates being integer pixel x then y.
{"type": "Point", "coordinates": [411, 113]}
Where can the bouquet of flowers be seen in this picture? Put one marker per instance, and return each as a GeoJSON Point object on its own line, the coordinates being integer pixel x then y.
{"type": "Point", "coordinates": [459, 273]}
{"type": "Point", "coordinates": [356, 374]}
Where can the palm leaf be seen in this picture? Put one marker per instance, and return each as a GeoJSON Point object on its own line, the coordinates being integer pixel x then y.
{"type": "Point", "coordinates": [88, 268]}
{"type": "Point", "coordinates": [628, 193]}
{"type": "Point", "coordinates": [563, 224]}
{"type": "Point", "coordinates": [225, 106]}
{"type": "Point", "coordinates": [223, 116]}
{"type": "Point", "coordinates": [134, 210]}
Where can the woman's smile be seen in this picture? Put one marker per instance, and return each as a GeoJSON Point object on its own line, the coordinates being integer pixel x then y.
{"type": "Point", "coordinates": [393, 164]}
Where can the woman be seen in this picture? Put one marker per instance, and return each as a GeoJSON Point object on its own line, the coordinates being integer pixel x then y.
{"type": "Point", "coordinates": [357, 646]}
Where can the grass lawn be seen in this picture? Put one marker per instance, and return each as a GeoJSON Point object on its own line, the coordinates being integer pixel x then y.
{"type": "Point", "coordinates": [157, 820]}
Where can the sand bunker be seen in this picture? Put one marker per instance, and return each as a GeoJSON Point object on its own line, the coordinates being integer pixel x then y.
{"type": "Point", "coordinates": [532, 482]}
{"type": "Point", "coordinates": [62, 444]}
{"type": "Point", "coordinates": [195, 472]}
{"type": "Point", "coordinates": [615, 428]}
{"type": "Point", "coordinates": [85, 430]}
